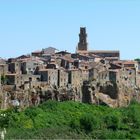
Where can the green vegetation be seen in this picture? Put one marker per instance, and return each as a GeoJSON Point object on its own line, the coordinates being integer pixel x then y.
{"type": "Point", "coordinates": [72, 120]}
{"type": "Point", "coordinates": [3, 79]}
{"type": "Point", "coordinates": [137, 59]}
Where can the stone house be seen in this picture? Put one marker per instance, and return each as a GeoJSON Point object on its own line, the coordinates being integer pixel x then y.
{"type": "Point", "coordinates": [14, 67]}
{"type": "Point", "coordinates": [114, 66]}
{"type": "Point", "coordinates": [21, 79]}
{"type": "Point", "coordinates": [76, 63]}
{"type": "Point", "coordinates": [3, 69]}
{"type": "Point", "coordinates": [85, 74]}
{"type": "Point", "coordinates": [82, 57]}
{"type": "Point", "coordinates": [103, 76]}
{"type": "Point", "coordinates": [2, 61]}
{"type": "Point", "coordinates": [138, 78]}
{"type": "Point", "coordinates": [93, 74]}
{"type": "Point", "coordinates": [75, 77]}
{"type": "Point", "coordinates": [31, 80]}
{"type": "Point", "coordinates": [67, 62]}
{"type": "Point", "coordinates": [37, 53]}
{"type": "Point", "coordinates": [49, 51]}
{"type": "Point", "coordinates": [84, 67]}
{"type": "Point", "coordinates": [13, 79]}
{"type": "Point", "coordinates": [29, 66]}
{"type": "Point", "coordinates": [110, 59]}
{"type": "Point", "coordinates": [123, 76]}
{"type": "Point", "coordinates": [45, 51]}
{"type": "Point", "coordinates": [129, 64]}
{"type": "Point", "coordinates": [49, 75]}
{"type": "Point", "coordinates": [62, 77]}
{"type": "Point", "coordinates": [137, 68]}
{"type": "Point", "coordinates": [137, 65]}
{"type": "Point", "coordinates": [62, 53]}
{"type": "Point", "coordinates": [123, 72]}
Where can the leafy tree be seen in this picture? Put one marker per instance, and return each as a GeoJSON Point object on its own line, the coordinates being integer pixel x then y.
{"type": "Point", "coordinates": [137, 59]}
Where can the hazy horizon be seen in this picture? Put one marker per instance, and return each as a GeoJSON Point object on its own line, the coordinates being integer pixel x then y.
{"type": "Point", "coordinates": [27, 26]}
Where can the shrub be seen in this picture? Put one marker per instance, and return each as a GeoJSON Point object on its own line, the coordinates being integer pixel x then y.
{"type": "Point", "coordinates": [112, 121]}
{"type": "Point", "coordinates": [75, 124]}
{"type": "Point", "coordinates": [88, 122]}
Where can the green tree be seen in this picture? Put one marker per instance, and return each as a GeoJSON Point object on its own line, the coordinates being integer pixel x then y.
{"type": "Point", "coordinates": [137, 59]}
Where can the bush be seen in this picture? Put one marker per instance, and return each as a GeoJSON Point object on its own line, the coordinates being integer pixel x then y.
{"type": "Point", "coordinates": [88, 122]}
{"type": "Point", "coordinates": [112, 121]}
{"type": "Point", "coordinates": [75, 124]}
{"type": "Point", "coordinates": [49, 105]}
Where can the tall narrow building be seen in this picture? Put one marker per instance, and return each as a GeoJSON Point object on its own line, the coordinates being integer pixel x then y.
{"type": "Point", "coordinates": [82, 45]}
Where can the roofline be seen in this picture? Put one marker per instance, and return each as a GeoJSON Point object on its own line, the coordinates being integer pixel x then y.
{"type": "Point", "coordinates": [104, 51]}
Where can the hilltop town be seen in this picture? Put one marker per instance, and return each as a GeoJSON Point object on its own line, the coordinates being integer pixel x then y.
{"type": "Point", "coordinates": [90, 76]}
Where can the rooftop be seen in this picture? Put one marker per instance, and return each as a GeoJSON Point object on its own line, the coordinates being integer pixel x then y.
{"type": "Point", "coordinates": [104, 51]}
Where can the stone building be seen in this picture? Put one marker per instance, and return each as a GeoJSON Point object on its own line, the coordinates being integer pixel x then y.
{"type": "Point", "coordinates": [13, 79]}
{"type": "Point", "coordinates": [123, 76]}
{"type": "Point", "coordinates": [67, 62]}
{"type": "Point", "coordinates": [29, 66]}
{"type": "Point", "coordinates": [82, 57]}
{"type": "Point", "coordinates": [93, 74]}
{"type": "Point", "coordinates": [3, 69]}
{"type": "Point", "coordinates": [14, 67]}
{"type": "Point", "coordinates": [21, 79]}
{"type": "Point", "coordinates": [63, 53]}
{"type": "Point", "coordinates": [137, 67]}
{"type": "Point", "coordinates": [49, 51]}
{"type": "Point", "coordinates": [62, 77]}
{"type": "Point", "coordinates": [103, 76]}
{"type": "Point", "coordinates": [37, 53]}
{"type": "Point", "coordinates": [44, 52]}
{"type": "Point", "coordinates": [49, 75]}
{"type": "Point", "coordinates": [114, 55]}
{"type": "Point", "coordinates": [75, 77]}
{"type": "Point", "coordinates": [129, 64]}
{"type": "Point", "coordinates": [84, 67]}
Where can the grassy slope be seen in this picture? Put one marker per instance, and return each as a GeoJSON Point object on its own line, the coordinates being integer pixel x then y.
{"type": "Point", "coordinates": [72, 120]}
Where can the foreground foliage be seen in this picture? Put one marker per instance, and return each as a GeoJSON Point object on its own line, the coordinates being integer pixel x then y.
{"type": "Point", "coordinates": [72, 120]}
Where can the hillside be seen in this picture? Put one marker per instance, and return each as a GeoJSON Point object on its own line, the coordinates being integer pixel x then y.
{"type": "Point", "coordinates": [72, 120]}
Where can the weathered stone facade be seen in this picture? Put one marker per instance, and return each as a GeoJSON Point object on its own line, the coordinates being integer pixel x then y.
{"type": "Point", "coordinates": [14, 67]}
{"type": "Point", "coordinates": [75, 77]}
{"type": "Point", "coordinates": [62, 78]}
{"type": "Point", "coordinates": [50, 76]}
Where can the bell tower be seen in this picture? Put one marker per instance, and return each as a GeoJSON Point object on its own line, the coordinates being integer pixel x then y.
{"type": "Point", "coordinates": [82, 45]}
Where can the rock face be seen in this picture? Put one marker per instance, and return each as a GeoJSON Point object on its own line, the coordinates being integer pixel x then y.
{"type": "Point", "coordinates": [109, 93]}
{"type": "Point", "coordinates": [100, 94]}
{"type": "Point", "coordinates": [93, 92]}
{"type": "Point", "coordinates": [35, 96]}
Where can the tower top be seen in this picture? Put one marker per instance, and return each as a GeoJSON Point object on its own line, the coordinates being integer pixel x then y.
{"type": "Point", "coordinates": [82, 45]}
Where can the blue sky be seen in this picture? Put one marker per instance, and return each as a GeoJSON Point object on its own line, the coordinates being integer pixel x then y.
{"type": "Point", "coordinates": [28, 25]}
